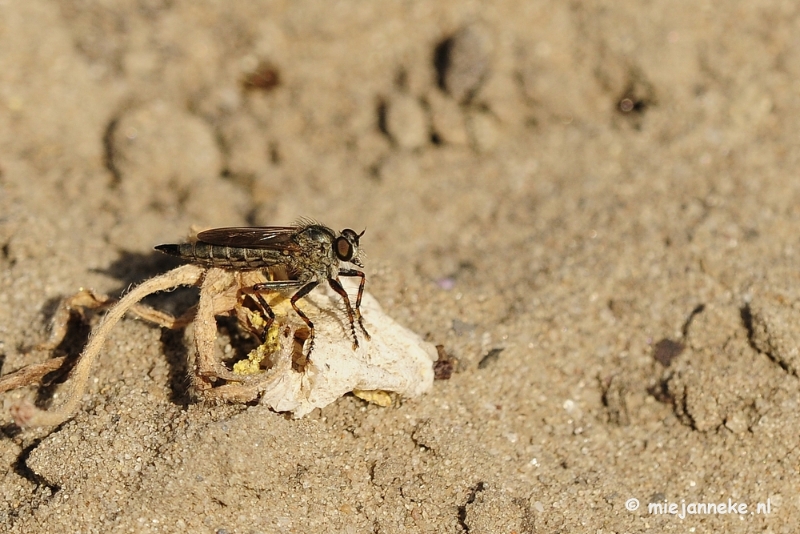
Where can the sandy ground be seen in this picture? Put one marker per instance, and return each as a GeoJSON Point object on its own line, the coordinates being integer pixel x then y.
{"type": "Point", "coordinates": [601, 197]}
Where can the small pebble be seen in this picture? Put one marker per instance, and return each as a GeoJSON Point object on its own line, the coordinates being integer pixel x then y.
{"type": "Point", "coordinates": [466, 62]}
{"type": "Point", "coordinates": [406, 122]}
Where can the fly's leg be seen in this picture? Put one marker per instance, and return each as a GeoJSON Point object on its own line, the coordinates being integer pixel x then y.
{"type": "Point", "coordinates": [302, 292]}
{"type": "Point", "coordinates": [305, 290]}
{"type": "Point", "coordinates": [353, 272]}
{"type": "Point", "coordinates": [267, 310]}
{"type": "Point", "coordinates": [337, 286]}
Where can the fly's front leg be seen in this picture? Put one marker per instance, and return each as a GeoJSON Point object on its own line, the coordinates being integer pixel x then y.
{"type": "Point", "coordinates": [337, 286]}
{"type": "Point", "coordinates": [353, 272]}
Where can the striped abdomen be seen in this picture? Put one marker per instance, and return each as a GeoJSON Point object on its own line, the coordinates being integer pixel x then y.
{"type": "Point", "coordinates": [223, 256]}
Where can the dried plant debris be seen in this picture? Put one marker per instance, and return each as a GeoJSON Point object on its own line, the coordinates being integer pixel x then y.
{"type": "Point", "coordinates": [265, 77]}
{"type": "Point", "coordinates": [445, 364]}
{"type": "Point", "coordinates": [490, 357]}
{"type": "Point", "coordinates": [278, 372]}
{"type": "Point", "coordinates": [666, 350]}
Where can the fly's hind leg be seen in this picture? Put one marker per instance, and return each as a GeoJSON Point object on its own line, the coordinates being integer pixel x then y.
{"type": "Point", "coordinates": [302, 292]}
{"type": "Point", "coordinates": [266, 310]}
{"type": "Point", "coordinates": [305, 290]}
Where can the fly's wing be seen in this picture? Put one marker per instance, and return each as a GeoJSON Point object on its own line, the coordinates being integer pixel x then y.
{"type": "Point", "coordinates": [254, 237]}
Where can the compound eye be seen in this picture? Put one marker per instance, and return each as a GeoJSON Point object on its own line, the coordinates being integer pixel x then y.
{"type": "Point", "coordinates": [344, 249]}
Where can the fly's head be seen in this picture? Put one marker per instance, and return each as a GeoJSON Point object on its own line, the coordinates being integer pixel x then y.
{"type": "Point", "coordinates": [346, 248]}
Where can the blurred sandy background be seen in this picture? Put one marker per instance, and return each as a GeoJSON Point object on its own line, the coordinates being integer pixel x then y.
{"type": "Point", "coordinates": [591, 205]}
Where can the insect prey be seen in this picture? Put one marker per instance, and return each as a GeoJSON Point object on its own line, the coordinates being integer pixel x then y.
{"type": "Point", "coordinates": [295, 258]}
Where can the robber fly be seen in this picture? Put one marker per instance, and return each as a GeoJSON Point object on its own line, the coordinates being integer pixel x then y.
{"type": "Point", "coordinates": [308, 252]}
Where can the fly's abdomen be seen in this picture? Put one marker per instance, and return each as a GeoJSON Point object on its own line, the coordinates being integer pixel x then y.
{"type": "Point", "coordinates": [221, 256]}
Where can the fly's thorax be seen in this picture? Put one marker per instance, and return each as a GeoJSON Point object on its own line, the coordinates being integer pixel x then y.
{"type": "Point", "coordinates": [318, 233]}
{"type": "Point", "coordinates": [316, 240]}
{"type": "Point", "coordinates": [319, 266]}
{"type": "Point", "coordinates": [316, 255]}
